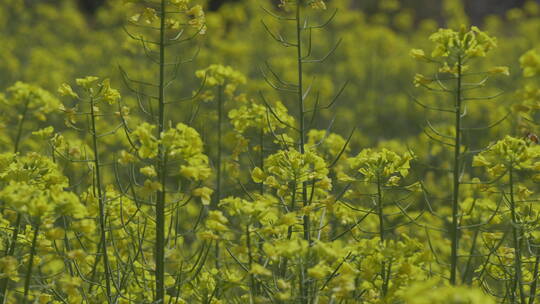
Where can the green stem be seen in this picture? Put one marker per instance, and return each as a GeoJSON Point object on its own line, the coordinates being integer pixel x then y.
{"type": "Point", "coordinates": [219, 146]}
{"type": "Point", "coordinates": [456, 182]}
{"type": "Point", "coordinates": [101, 200]}
{"type": "Point", "coordinates": [466, 278]}
{"type": "Point", "coordinates": [219, 156]}
{"type": "Point", "coordinates": [516, 234]}
{"type": "Point", "coordinates": [261, 158]}
{"type": "Point", "coordinates": [380, 210]}
{"type": "Point", "coordinates": [283, 270]}
{"type": "Point", "coordinates": [380, 213]}
{"type": "Point", "coordinates": [20, 126]}
{"type": "Point", "coordinates": [534, 285]}
{"type": "Point", "coordinates": [300, 76]}
{"type": "Point", "coordinates": [28, 276]}
{"type": "Point", "coordinates": [261, 192]}
{"type": "Point", "coordinates": [94, 269]}
{"type": "Point", "coordinates": [252, 283]}
{"type": "Point", "coordinates": [161, 166]}
{"type": "Point", "coordinates": [304, 285]}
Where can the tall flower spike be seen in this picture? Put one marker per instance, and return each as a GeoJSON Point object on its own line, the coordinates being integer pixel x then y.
{"type": "Point", "coordinates": [452, 53]}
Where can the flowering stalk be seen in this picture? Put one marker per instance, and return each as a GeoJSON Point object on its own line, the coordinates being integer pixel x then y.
{"type": "Point", "coordinates": [505, 159]}
{"type": "Point", "coordinates": [301, 111]}
{"type": "Point", "coordinates": [101, 201]}
{"type": "Point", "coordinates": [33, 98]}
{"type": "Point", "coordinates": [10, 248]}
{"type": "Point", "coordinates": [153, 141]}
{"type": "Point", "coordinates": [299, 196]}
{"type": "Point", "coordinates": [386, 170]}
{"type": "Point", "coordinates": [452, 52]}
{"type": "Point", "coordinates": [95, 92]}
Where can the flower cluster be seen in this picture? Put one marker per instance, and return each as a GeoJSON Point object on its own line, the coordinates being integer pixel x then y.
{"type": "Point", "coordinates": [530, 63]}
{"type": "Point", "coordinates": [452, 49]}
{"type": "Point", "coordinates": [383, 166]}
{"type": "Point", "coordinates": [529, 93]}
{"type": "Point", "coordinates": [314, 4]}
{"type": "Point", "coordinates": [34, 185]}
{"type": "Point", "coordinates": [434, 292]}
{"type": "Point", "coordinates": [330, 145]}
{"type": "Point", "coordinates": [257, 116]}
{"type": "Point", "coordinates": [93, 91]}
{"type": "Point", "coordinates": [508, 153]}
{"type": "Point", "coordinates": [217, 75]}
{"type": "Point", "coordinates": [37, 101]}
{"type": "Point", "coordinates": [93, 87]}
{"type": "Point", "coordinates": [24, 107]}
{"type": "Point", "coordinates": [287, 170]}
{"type": "Point", "coordinates": [184, 15]}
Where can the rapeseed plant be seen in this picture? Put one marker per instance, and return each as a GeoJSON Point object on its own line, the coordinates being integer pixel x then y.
{"type": "Point", "coordinates": [276, 179]}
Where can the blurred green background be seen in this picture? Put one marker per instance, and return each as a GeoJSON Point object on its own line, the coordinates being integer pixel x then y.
{"type": "Point", "coordinates": [51, 42]}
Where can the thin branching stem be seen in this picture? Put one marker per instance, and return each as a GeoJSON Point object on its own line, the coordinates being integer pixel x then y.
{"type": "Point", "coordinates": [454, 232]}
{"type": "Point", "coordinates": [28, 275]}
{"type": "Point", "coordinates": [219, 155]}
{"type": "Point", "coordinates": [101, 201]}
{"type": "Point", "coordinates": [161, 165]}
{"type": "Point", "coordinates": [304, 284]}
{"type": "Point", "coordinates": [516, 238]}
{"type": "Point", "coordinates": [380, 213]}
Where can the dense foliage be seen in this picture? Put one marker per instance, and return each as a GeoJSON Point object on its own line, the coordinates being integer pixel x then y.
{"type": "Point", "coordinates": [292, 151]}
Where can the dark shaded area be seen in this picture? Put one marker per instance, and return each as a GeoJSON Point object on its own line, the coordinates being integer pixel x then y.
{"type": "Point", "coordinates": [477, 9]}
{"type": "Point", "coordinates": [214, 5]}
{"type": "Point", "coordinates": [90, 6]}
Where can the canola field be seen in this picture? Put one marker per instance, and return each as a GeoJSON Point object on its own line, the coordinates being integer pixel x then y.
{"type": "Point", "coordinates": [289, 151]}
